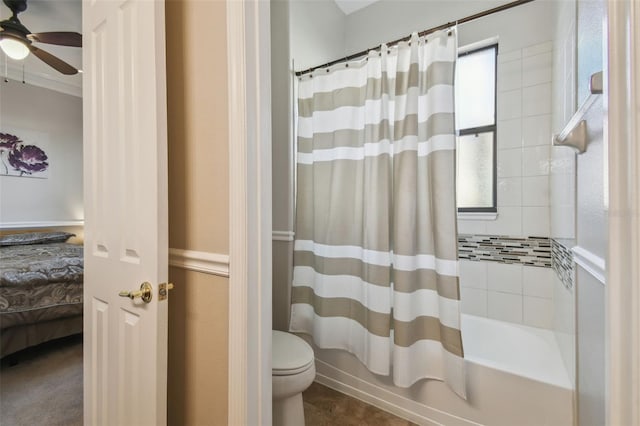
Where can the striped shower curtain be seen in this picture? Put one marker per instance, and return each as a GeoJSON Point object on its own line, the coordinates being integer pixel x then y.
{"type": "Point", "coordinates": [375, 252]}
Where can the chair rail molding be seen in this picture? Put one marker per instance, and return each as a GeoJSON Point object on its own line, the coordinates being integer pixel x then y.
{"type": "Point", "coordinates": [199, 261]}
{"type": "Point", "coordinates": [41, 224]}
{"type": "Point", "coordinates": [283, 235]}
{"type": "Point", "coordinates": [590, 262]}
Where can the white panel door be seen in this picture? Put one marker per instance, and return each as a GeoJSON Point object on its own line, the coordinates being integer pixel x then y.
{"type": "Point", "coordinates": [126, 241]}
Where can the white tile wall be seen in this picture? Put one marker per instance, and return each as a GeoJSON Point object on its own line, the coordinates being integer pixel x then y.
{"type": "Point", "coordinates": [509, 104]}
{"type": "Point", "coordinates": [507, 292]}
{"type": "Point", "coordinates": [535, 221]}
{"type": "Point", "coordinates": [509, 162]}
{"type": "Point", "coordinates": [473, 227]}
{"type": "Point", "coordinates": [535, 191]}
{"type": "Point", "coordinates": [536, 100]}
{"type": "Point", "coordinates": [563, 185]}
{"type": "Point", "coordinates": [473, 301]}
{"type": "Point", "coordinates": [504, 306]}
{"type": "Point", "coordinates": [510, 133]}
{"type": "Point", "coordinates": [564, 324]}
{"type": "Point", "coordinates": [510, 75]}
{"type": "Point", "coordinates": [473, 274]}
{"type": "Point", "coordinates": [536, 161]}
{"type": "Point", "coordinates": [537, 49]}
{"type": "Point", "coordinates": [563, 160]}
{"type": "Point", "coordinates": [562, 181]}
{"type": "Point", "coordinates": [523, 144]}
{"type": "Point", "coordinates": [509, 222]}
{"type": "Point", "coordinates": [562, 188]}
{"type": "Point", "coordinates": [536, 130]}
{"type": "Point", "coordinates": [537, 312]}
{"type": "Point", "coordinates": [537, 282]}
{"type": "Point", "coordinates": [510, 191]}
{"type": "Point", "coordinates": [537, 69]}
{"type": "Point", "coordinates": [504, 277]}
{"type": "Point", "coordinates": [562, 221]}
{"type": "Point", "coordinates": [509, 56]}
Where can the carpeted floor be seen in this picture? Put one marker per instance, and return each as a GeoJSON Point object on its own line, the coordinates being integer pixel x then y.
{"type": "Point", "coordinates": [44, 387]}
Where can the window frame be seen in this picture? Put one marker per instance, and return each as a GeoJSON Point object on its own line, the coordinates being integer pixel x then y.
{"type": "Point", "coordinates": [492, 128]}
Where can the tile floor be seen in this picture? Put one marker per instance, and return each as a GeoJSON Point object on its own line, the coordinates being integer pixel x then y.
{"type": "Point", "coordinates": [327, 407]}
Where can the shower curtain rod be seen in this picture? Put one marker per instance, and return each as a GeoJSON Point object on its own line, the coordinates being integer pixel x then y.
{"type": "Point", "coordinates": [421, 34]}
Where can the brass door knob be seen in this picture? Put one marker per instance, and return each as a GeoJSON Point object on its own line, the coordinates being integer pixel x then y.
{"type": "Point", "coordinates": [145, 293]}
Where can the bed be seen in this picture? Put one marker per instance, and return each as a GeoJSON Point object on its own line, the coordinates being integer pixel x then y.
{"type": "Point", "coordinates": [40, 289]}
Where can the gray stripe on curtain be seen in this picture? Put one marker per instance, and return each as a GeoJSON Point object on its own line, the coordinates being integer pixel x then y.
{"type": "Point", "coordinates": [376, 238]}
{"type": "Point", "coordinates": [403, 281]}
{"type": "Point", "coordinates": [406, 333]}
{"type": "Point", "coordinates": [377, 323]}
{"type": "Point", "coordinates": [436, 124]}
{"type": "Point", "coordinates": [373, 274]}
{"type": "Point", "coordinates": [339, 203]}
{"type": "Point", "coordinates": [338, 188]}
{"type": "Point", "coordinates": [437, 73]}
{"type": "Point", "coordinates": [427, 328]}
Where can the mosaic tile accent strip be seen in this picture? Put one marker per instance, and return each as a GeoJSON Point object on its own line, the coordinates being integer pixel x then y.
{"type": "Point", "coordinates": [530, 251]}
{"type": "Point", "coordinates": [562, 263]}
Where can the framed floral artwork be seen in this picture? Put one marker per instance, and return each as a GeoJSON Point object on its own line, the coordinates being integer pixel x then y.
{"type": "Point", "coordinates": [22, 158]}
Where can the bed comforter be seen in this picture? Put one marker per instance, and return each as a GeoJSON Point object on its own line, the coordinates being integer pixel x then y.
{"type": "Point", "coordinates": [40, 282]}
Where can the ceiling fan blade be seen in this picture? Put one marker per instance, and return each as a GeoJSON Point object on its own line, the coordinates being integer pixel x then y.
{"type": "Point", "coordinates": [53, 61]}
{"type": "Point", "coordinates": [61, 38]}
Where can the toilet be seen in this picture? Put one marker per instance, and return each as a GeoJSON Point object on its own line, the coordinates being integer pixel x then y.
{"type": "Point", "coordinates": [293, 370]}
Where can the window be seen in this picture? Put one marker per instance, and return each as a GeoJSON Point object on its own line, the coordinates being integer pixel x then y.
{"type": "Point", "coordinates": [476, 125]}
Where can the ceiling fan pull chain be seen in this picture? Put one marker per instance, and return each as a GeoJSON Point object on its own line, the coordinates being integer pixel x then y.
{"type": "Point", "coordinates": [6, 73]}
{"type": "Point", "coordinates": [23, 73]}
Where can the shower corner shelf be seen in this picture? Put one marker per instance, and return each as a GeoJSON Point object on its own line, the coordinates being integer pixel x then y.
{"type": "Point", "coordinates": [574, 133]}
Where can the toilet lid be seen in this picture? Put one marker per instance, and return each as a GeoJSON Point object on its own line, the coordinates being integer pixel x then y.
{"type": "Point", "coordinates": [290, 354]}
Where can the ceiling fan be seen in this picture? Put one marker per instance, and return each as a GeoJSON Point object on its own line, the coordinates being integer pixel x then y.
{"type": "Point", "coordinates": [17, 41]}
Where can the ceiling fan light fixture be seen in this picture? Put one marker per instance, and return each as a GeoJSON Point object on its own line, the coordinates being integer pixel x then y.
{"type": "Point", "coordinates": [15, 49]}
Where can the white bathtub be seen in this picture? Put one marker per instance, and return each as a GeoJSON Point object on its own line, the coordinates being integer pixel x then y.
{"type": "Point", "coordinates": [515, 377]}
{"type": "Point", "coordinates": [517, 349]}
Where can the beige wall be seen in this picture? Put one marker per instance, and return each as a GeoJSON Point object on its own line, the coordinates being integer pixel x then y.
{"type": "Point", "coordinates": [198, 214]}
{"type": "Point", "coordinates": [197, 373]}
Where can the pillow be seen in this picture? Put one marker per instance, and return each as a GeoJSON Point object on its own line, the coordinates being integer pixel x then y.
{"type": "Point", "coordinates": [35, 238]}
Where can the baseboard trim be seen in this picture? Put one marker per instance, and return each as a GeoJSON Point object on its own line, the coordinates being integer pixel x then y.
{"type": "Point", "coordinates": [377, 396]}
{"type": "Point", "coordinates": [199, 261]}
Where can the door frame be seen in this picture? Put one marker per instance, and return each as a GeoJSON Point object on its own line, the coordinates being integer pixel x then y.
{"type": "Point", "coordinates": [622, 71]}
{"type": "Point", "coordinates": [250, 226]}
{"type": "Point", "coordinates": [248, 43]}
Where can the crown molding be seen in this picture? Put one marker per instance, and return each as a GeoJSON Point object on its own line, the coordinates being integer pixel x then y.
{"type": "Point", "coordinates": [46, 81]}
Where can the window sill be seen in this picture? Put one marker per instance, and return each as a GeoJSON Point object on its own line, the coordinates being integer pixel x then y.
{"type": "Point", "coordinates": [477, 216]}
